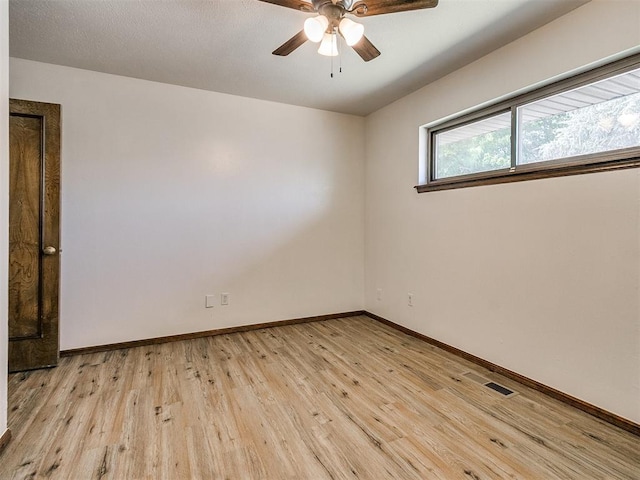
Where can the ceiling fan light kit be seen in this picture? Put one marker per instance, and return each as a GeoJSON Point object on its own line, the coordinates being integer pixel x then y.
{"type": "Point", "coordinates": [316, 27]}
{"type": "Point", "coordinates": [332, 20]}
{"type": "Point", "coordinates": [351, 31]}
{"type": "Point", "coordinates": [329, 45]}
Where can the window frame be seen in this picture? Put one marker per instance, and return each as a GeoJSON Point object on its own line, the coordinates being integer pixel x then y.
{"type": "Point", "coordinates": [575, 165]}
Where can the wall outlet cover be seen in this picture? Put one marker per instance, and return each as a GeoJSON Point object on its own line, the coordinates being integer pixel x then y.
{"type": "Point", "coordinates": [224, 299]}
{"type": "Point", "coordinates": [209, 301]}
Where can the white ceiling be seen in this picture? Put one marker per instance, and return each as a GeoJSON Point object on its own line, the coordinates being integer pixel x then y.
{"type": "Point", "coordinates": [225, 45]}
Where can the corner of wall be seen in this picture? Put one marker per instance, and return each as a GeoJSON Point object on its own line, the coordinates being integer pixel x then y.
{"type": "Point", "coordinates": [4, 202]}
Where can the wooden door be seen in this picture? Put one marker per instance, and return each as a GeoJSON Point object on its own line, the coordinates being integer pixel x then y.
{"type": "Point", "coordinates": [34, 234]}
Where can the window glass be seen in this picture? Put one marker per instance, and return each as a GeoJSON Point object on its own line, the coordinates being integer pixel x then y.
{"type": "Point", "coordinates": [595, 118]}
{"type": "Point", "coordinates": [477, 147]}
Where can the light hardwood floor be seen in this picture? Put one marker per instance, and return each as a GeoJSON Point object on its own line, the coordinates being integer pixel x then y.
{"type": "Point", "coordinates": [339, 399]}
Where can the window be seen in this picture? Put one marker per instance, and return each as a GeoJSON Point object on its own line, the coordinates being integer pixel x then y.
{"type": "Point", "coordinates": [588, 123]}
{"type": "Point", "coordinates": [477, 147]}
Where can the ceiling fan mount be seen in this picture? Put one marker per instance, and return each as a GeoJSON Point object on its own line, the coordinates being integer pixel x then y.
{"type": "Point", "coordinates": [311, 6]}
{"type": "Point", "coordinates": [334, 12]}
{"type": "Point", "coordinates": [332, 20]}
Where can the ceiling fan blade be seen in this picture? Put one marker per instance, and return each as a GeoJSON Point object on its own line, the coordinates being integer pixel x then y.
{"type": "Point", "coordinates": [290, 45]}
{"type": "Point", "coordinates": [368, 8]}
{"type": "Point", "coordinates": [366, 49]}
{"type": "Point", "coordinates": [300, 5]}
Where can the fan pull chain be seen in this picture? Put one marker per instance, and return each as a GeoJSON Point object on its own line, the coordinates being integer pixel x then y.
{"type": "Point", "coordinates": [333, 45]}
{"type": "Point", "coordinates": [339, 55]}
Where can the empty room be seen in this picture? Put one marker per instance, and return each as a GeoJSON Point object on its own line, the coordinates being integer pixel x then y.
{"type": "Point", "coordinates": [320, 239]}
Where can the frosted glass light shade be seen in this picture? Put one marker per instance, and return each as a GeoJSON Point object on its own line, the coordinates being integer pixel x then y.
{"type": "Point", "coordinates": [315, 27]}
{"type": "Point", "coordinates": [351, 31]}
{"type": "Point", "coordinates": [329, 45]}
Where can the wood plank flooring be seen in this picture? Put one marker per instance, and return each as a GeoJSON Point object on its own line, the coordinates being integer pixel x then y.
{"type": "Point", "coordinates": [339, 399]}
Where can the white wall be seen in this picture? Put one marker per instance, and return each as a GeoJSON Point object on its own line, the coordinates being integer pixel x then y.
{"type": "Point", "coordinates": [4, 204]}
{"type": "Point", "coordinates": [540, 277]}
{"type": "Point", "coordinates": [171, 193]}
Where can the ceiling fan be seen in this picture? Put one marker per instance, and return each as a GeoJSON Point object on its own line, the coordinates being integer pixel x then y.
{"type": "Point", "coordinates": [332, 19]}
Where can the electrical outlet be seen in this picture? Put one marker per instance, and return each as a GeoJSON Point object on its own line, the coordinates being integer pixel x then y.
{"type": "Point", "coordinates": [379, 294]}
{"type": "Point", "coordinates": [209, 301]}
{"type": "Point", "coordinates": [410, 299]}
{"type": "Point", "coordinates": [224, 299]}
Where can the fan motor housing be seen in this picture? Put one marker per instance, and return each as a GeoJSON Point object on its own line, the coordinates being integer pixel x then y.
{"type": "Point", "coordinates": [333, 11]}
{"type": "Point", "coordinates": [344, 4]}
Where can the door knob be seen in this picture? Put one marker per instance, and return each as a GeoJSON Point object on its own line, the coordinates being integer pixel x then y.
{"type": "Point", "coordinates": [49, 250]}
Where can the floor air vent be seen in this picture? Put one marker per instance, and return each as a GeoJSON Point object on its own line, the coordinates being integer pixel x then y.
{"type": "Point", "coordinates": [500, 389]}
{"type": "Point", "coordinates": [492, 385]}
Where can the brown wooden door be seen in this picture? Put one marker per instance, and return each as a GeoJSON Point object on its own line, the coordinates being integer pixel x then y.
{"type": "Point", "coordinates": [34, 234]}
